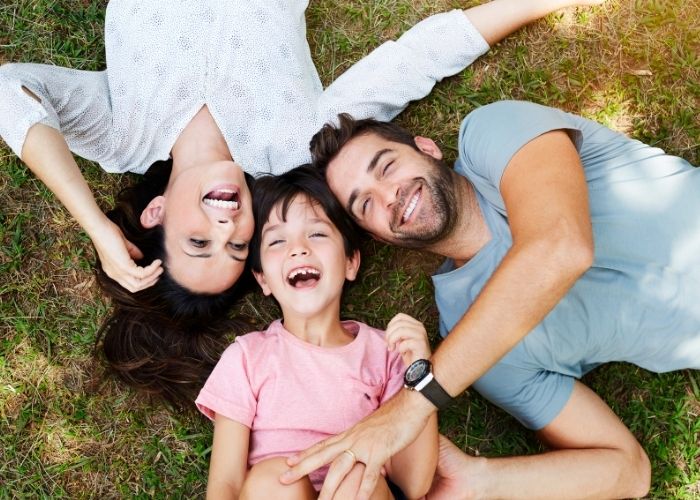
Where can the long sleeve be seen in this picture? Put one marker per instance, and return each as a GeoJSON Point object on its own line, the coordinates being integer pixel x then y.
{"type": "Point", "coordinates": [74, 102]}
{"type": "Point", "coordinates": [383, 83]}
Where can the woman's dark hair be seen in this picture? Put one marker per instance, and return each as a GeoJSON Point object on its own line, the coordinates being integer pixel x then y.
{"type": "Point", "coordinates": [273, 192]}
{"type": "Point", "coordinates": [163, 340]}
{"type": "Point", "coordinates": [327, 142]}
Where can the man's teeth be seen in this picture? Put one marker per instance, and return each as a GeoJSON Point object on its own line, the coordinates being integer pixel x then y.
{"type": "Point", "coordinates": [231, 205]}
{"type": "Point", "coordinates": [411, 207]}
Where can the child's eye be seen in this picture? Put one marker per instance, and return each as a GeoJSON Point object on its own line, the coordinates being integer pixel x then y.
{"type": "Point", "coordinates": [318, 235]}
{"type": "Point", "coordinates": [275, 242]}
{"type": "Point", "coordinates": [198, 243]}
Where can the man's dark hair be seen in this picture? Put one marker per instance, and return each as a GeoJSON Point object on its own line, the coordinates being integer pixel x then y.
{"type": "Point", "coordinates": [165, 339]}
{"type": "Point", "coordinates": [273, 192]}
{"type": "Point", "coordinates": [327, 142]}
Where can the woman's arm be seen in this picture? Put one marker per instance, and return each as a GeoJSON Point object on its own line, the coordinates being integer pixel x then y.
{"type": "Point", "coordinates": [384, 82]}
{"type": "Point", "coordinates": [229, 458]}
{"type": "Point", "coordinates": [47, 155]}
{"type": "Point", "coordinates": [497, 19]}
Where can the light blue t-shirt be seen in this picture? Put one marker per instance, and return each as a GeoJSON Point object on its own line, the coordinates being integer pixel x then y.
{"type": "Point", "coordinates": [639, 302]}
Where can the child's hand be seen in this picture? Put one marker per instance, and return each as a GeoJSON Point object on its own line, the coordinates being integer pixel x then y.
{"type": "Point", "coordinates": [408, 335]}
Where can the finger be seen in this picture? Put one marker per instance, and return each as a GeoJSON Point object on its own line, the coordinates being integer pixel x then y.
{"type": "Point", "coordinates": [369, 482]}
{"type": "Point", "coordinates": [147, 271]}
{"type": "Point", "coordinates": [133, 250]}
{"type": "Point", "coordinates": [147, 283]}
{"type": "Point", "coordinates": [340, 468]}
{"type": "Point", "coordinates": [303, 466]}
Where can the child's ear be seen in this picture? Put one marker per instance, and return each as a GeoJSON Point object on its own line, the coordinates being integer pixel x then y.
{"type": "Point", "coordinates": [352, 265]}
{"type": "Point", "coordinates": [152, 215]}
{"type": "Point", "coordinates": [260, 278]}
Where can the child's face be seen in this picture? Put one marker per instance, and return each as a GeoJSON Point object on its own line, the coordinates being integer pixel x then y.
{"type": "Point", "coordinates": [303, 260]}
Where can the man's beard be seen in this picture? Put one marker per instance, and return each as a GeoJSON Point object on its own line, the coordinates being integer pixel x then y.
{"type": "Point", "coordinates": [440, 182]}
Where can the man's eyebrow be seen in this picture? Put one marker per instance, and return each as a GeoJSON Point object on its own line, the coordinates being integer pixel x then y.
{"type": "Point", "coordinates": [370, 168]}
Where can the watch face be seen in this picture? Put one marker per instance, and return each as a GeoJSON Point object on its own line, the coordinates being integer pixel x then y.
{"type": "Point", "coordinates": [416, 372]}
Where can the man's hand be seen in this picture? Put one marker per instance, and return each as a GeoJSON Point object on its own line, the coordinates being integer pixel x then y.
{"type": "Point", "coordinates": [408, 335]}
{"type": "Point", "coordinates": [117, 255]}
{"type": "Point", "coordinates": [372, 442]}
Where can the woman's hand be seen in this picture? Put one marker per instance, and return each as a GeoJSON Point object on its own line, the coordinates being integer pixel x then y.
{"type": "Point", "coordinates": [117, 255]}
{"type": "Point", "coordinates": [407, 335]}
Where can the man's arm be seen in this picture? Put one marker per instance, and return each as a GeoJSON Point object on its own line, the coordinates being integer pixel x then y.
{"type": "Point", "coordinates": [546, 198]}
{"type": "Point", "coordinates": [595, 456]}
{"type": "Point", "coordinates": [545, 195]}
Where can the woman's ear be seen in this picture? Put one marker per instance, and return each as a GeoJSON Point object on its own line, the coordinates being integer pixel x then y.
{"type": "Point", "coordinates": [260, 278]}
{"type": "Point", "coordinates": [152, 215]}
{"type": "Point", "coordinates": [428, 146]}
{"type": "Point", "coordinates": [352, 265]}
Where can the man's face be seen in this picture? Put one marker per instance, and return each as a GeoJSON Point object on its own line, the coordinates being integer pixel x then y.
{"type": "Point", "coordinates": [399, 194]}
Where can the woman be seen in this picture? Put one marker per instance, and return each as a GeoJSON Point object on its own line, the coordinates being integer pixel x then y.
{"type": "Point", "coordinates": [219, 90]}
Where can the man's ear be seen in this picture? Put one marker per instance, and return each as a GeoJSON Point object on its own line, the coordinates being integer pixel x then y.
{"type": "Point", "coordinates": [428, 146]}
{"type": "Point", "coordinates": [352, 265]}
{"type": "Point", "coordinates": [152, 215]}
{"type": "Point", "coordinates": [260, 278]}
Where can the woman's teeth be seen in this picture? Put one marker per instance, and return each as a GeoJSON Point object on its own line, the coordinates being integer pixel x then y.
{"type": "Point", "coordinates": [231, 205]}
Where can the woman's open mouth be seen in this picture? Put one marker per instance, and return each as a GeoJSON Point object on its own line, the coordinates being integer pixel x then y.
{"type": "Point", "coordinates": [222, 198]}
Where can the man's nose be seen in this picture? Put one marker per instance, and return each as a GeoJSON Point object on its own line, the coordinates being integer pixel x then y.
{"type": "Point", "coordinates": [390, 194]}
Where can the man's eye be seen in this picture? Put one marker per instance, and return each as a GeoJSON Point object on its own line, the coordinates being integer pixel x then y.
{"type": "Point", "coordinates": [198, 243]}
{"type": "Point", "coordinates": [386, 168]}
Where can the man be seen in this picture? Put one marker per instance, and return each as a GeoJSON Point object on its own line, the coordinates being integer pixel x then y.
{"type": "Point", "coordinates": [568, 245]}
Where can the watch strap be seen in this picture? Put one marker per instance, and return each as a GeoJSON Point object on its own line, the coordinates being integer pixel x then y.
{"type": "Point", "coordinates": [433, 391]}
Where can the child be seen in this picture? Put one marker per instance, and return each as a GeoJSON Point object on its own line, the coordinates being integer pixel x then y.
{"type": "Point", "coordinates": [310, 375]}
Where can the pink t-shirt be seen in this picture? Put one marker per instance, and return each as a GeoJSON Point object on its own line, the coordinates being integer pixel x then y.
{"type": "Point", "coordinates": [292, 394]}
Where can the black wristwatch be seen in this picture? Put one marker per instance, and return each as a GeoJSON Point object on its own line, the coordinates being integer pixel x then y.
{"type": "Point", "coordinates": [419, 377]}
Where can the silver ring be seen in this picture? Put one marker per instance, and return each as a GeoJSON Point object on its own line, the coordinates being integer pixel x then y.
{"type": "Point", "coordinates": [352, 455]}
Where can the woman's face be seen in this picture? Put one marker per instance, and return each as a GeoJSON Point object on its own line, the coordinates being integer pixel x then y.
{"type": "Point", "coordinates": [207, 216]}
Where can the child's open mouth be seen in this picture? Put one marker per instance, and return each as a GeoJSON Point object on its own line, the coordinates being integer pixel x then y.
{"type": "Point", "coordinates": [304, 277]}
{"type": "Point", "coordinates": [222, 198]}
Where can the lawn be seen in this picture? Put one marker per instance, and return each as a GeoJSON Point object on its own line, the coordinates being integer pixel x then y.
{"type": "Point", "coordinates": [67, 429]}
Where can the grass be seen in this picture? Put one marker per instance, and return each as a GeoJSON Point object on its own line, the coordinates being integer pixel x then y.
{"type": "Point", "coordinates": [65, 430]}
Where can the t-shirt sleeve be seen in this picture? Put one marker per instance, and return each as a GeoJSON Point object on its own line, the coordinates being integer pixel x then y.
{"type": "Point", "coordinates": [533, 397]}
{"type": "Point", "coordinates": [490, 136]}
{"type": "Point", "coordinates": [383, 83]}
{"type": "Point", "coordinates": [228, 389]}
{"type": "Point", "coordinates": [394, 381]}
{"type": "Point", "coordinates": [74, 102]}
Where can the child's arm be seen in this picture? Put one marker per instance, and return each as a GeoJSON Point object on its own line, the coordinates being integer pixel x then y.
{"type": "Point", "coordinates": [412, 469]}
{"type": "Point", "coordinates": [229, 458]}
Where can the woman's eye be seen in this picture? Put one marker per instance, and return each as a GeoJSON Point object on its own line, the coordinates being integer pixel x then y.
{"type": "Point", "coordinates": [365, 204]}
{"type": "Point", "coordinates": [198, 243]}
{"type": "Point", "coordinates": [318, 235]}
{"type": "Point", "coordinates": [239, 246]}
